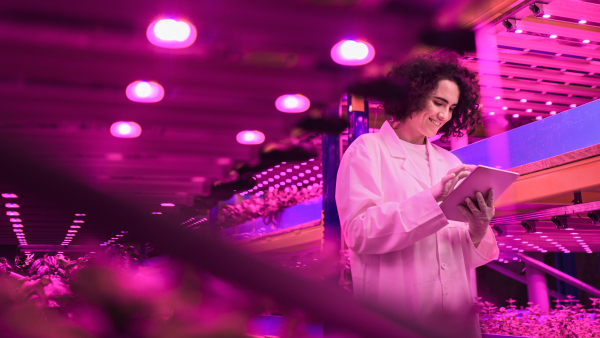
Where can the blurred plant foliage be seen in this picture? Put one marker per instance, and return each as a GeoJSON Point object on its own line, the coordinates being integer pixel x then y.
{"type": "Point", "coordinates": [268, 206]}
{"type": "Point", "coordinates": [566, 320]}
{"type": "Point", "coordinates": [111, 295]}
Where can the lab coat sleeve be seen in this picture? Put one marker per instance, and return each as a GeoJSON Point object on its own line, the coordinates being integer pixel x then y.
{"type": "Point", "coordinates": [371, 225]}
{"type": "Point", "coordinates": [485, 252]}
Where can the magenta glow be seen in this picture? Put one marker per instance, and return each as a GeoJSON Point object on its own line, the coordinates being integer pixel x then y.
{"type": "Point", "coordinates": [250, 137]}
{"type": "Point", "coordinates": [167, 204]}
{"type": "Point", "coordinates": [145, 91]}
{"type": "Point", "coordinates": [78, 221]}
{"type": "Point", "coordinates": [124, 129]}
{"type": "Point", "coordinates": [12, 213]}
{"type": "Point", "coordinates": [292, 103]}
{"type": "Point", "coordinates": [12, 205]}
{"type": "Point", "coordinates": [170, 33]}
{"type": "Point", "coordinates": [9, 195]}
{"type": "Point", "coordinates": [15, 220]}
{"type": "Point", "coordinates": [352, 53]}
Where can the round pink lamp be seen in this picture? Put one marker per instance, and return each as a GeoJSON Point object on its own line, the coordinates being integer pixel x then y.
{"type": "Point", "coordinates": [124, 129]}
{"type": "Point", "coordinates": [352, 53]}
{"type": "Point", "coordinates": [292, 103]}
{"type": "Point", "coordinates": [170, 33]}
{"type": "Point", "coordinates": [250, 137]}
{"type": "Point", "coordinates": [145, 91]}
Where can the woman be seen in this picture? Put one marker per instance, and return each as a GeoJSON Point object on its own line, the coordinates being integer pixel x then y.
{"type": "Point", "coordinates": [404, 253]}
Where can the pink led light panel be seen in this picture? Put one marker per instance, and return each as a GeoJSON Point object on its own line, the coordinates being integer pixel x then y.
{"type": "Point", "coordinates": [292, 103]}
{"type": "Point", "coordinates": [167, 204]}
{"type": "Point", "coordinates": [9, 195]}
{"type": "Point", "coordinates": [352, 53]}
{"type": "Point", "coordinates": [12, 213]}
{"type": "Point", "coordinates": [169, 33]}
{"type": "Point", "coordinates": [124, 129]}
{"type": "Point", "coordinates": [145, 91]}
{"type": "Point", "coordinates": [12, 205]}
{"type": "Point", "coordinates": [250, 137]}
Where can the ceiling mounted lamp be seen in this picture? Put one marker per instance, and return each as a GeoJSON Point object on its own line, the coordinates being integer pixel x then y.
{"type": "Point", "coordinates": [515, 116]}
{"type": "Point", "coordinates": [585, 41]}
{"type": "Point", "coordinates": [167, 204]}
{"type": "Point", "coordinates": [145, 91]}
{"type": "Point", "coordinates": [538, 118]}
{"type": "Point", "coordinates": [352, 53]}
{"type": "Point", "coordinates": [13, 213]}
{"type": "Point", "coordinates": [156, 213]}
{"type": "Point", "coordinates": [17, 225]}
{"type": "Point", "coordinates": [75, 227]}
{"type": "Point", "coordinates": [170, 33]}
{"type": "Point", "coordinates": [12, 205]}
{"type": "Point", "coordinates": [9, 195]}
{"type": "Point", "coordinates": [553, 36]}
{"type": "Point", "coordinates": [250, 137]}
{"type": "Point", "coordinates": [581, 22]}
{"type": "Point", "coordinates": [15, 220]}
{"type": "Point", "coordinates": [78, 221]}
{"type": "Point", "coordinates": [292, 103]}
{"type": "Point", "coordinates": [125, 129]}
{"type": "Point", "coordinates": [80, 215]}
{"type": "Point", "coordinates": [553, 112]}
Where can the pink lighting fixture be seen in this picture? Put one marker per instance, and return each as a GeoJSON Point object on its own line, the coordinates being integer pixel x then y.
{"type": "Point", "coordinates": [529, 110]}
{"type": "Point", "coordinates": [546, 16]}
{"type": "Point", "coordinates": [12, 205]}
{"type": "Point", "coordinates": [553, 36]}
{"type": "Point", "coordinates": [572, 105]}
{"type": "Point", "coordinates": [9, 195]}
{"type": "Point", "coordinates": [125, 129]}
{"type": "Point", "coordinates": [167, 204]}
{"type": "Point", "coordinates": [553, 113]}
{"type": "Point", "coordinates": [352, 53]}
{"type": "Point", "coordinates": [548, 103]}
{"type": "Point", "coordinates": [497, 98]}
{"type": "Point", "coordinates": [12, 213]}
{"type": "Point", "coordinates": [538, 118]}
{"type": "Point", "coordinates": [585, 41]}
{"type": "Point", "coordinates": [170, 33]}
{"type": "Point", "coordinates": [292, 103]}
{"type": "Point", "coordinates": [582, 21]}
{"type": "Point", "coordinates": [156, 213]}
{"type": "Point", "coordinates": [519, 31]}
{"type": "Point", "coordinates": [523, 100]}
{"type": "Point", "coordinates": [250, 137]}
{"type": "Point", "coordinates": [515, 115]}
{"type": "Point", "coordinates": [145, 91]}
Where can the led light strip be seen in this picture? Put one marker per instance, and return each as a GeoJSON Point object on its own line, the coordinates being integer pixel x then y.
{"type": "Point", "coordinates": [73, 229]}
{"type": "Point", "coordinates": [297, 175]}
{"type": "Point", "coordinates": [17, 224]}
{"type": "Point", "coordinates": [115, 238]}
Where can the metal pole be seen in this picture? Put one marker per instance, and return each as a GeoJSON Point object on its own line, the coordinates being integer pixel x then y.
{"type": "Point", "coordinates": [331, 163]}
{"type": "Point", "coordinates": [358, 117]}
{"type": "Point", "coordinates": [537, 288]}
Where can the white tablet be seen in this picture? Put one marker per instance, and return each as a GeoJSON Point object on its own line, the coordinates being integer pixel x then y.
{"type": "Point", "coordinates": [481, 179]}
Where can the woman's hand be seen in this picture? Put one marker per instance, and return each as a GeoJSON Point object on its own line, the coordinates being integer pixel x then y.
{"type": "Point", "coordinates": [479, 218]}
{"type": "Point", "coordinates": [441, 190]}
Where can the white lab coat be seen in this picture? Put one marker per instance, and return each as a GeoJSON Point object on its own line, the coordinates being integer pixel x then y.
{"type": "Point", "coordinates": [404, 254]}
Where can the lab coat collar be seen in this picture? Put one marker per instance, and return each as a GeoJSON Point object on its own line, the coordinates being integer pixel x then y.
{"type": "Point", "coordinates": [396, 149]}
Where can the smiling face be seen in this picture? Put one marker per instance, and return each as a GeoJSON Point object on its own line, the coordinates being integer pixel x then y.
{"type": "Point", "coordinates": [438, 110]}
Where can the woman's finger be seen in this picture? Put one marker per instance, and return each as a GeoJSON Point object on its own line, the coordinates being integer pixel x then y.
{"type": "Point", "coordinates": [458, 169]}
{"type": "Point", "coordinates": [471, 205]}
{"type": "Point", "coordinates": [490, 198]}
{"type": "Point", "coordinates": [481, 201]}
{"type": "Point", "coordinates": [465, 212]}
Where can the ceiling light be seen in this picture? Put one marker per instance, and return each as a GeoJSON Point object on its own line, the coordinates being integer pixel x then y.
{"type": "Point", "coordinates": [572, 105]}
{"type": "Point", "coordinates": [250, 137]}
{"type": "Point", "coordinates": [72, 231]}
{"type": "Point", "coordinates": [75, 227]}
{"type": "Point", "coordinates": [497, 98]}
{"type": "Point", "coordinates": [582, 21]}
{"type": "Point", "coordinates": [12, 213]}
{"type": "Point", "coordinates": [167, 204]}
{"type": "Point", "coordinates": [504, 108]}
{"type": "Point", "coordinates": [12, 205]}
{"type": "Point", "coordinates": [145, 91]}
{"type": "Point", "coordinates": [515, 116]}
{"type": "Point", "coordinates": [17, 225]}
{"type": "Point", "coordinates": [352, 53]}
{"type": "Point", "coordinates": [548, 103]}
{"type": "Point", "coordinates": [528, 110]}
{"type": "Point", "coordinates": [523, 100]}
{"type": "Point", "coordinates": [170, 33]}
{"type": "Point", "coordinates": [70, 235]}
{"type": "Point", "coordinates": [292, 103]}
{"type": "Point", "coordinates": [17, 230]}
{"type": "Point", "coordinates": [124, 129]}
{"type": "Point", "coordinates": [546, 16]}
{"type": "Point", "coordinates": [585, 41]}
{"type": "Point", "coordinates": [9, 195]}
{"type": "Point", "coordinates": [491, 113]}
{"type": "Point", "coordinates": [15, 220]}
{"type": "Point", "coordinates": [553, 112]}
{"type": "Point", "coordinates": [538, 118]}
{"type": "Point", "coordinates": [518, 31]}
{"type": "Point", "coordinates": [553, 36]}
{"type": "Point", "coordinates": [78, 221]}
{"type": "Point", "coordinates": [156, 213]}
{"type": "Point", "coordinates": [80, 215]}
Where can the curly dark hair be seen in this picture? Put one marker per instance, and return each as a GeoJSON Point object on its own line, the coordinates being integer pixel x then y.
{"type": "Point", "coordinates": [422, 74]}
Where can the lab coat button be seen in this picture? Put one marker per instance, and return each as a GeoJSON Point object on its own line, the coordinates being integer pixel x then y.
{"type": "Point", "coordinates": [444, 266]}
